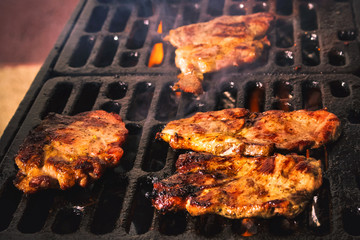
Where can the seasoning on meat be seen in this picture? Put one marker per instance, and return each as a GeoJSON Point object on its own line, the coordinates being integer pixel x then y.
{"type": "Point", "coordinates": [222, 42]}
{"type": "Point", "coordinates": [237, 131]}
{"type": "Point", "coordinates": [67, 150]}
{"type": "Point", "coordinates": [239, 187]}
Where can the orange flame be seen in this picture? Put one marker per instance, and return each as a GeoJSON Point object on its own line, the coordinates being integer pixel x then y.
{"type": "Point", "coordinates": [248, 224]}
{"type": "Point", "coordinates": [159, 30]}
{"type": "Point", "coordinates": [157, 52]}
{"type": "Point", "coordinates": [247, 234]}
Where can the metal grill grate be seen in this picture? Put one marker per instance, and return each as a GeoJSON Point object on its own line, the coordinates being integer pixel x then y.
{"type": "Point", "coordinates": [117, 207]}
{"type": "Point", "coordinates": [103, 65]}
{"type": "Point", "coordinates": [113, 37]}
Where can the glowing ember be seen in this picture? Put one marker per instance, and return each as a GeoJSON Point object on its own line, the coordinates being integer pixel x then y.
{"type": "Point", "coordinates": [256, 98]}
{"type": "Point", "coordinates": [178, 94]}
{"type": "Point", "coordinates": [250, 227]}
{"type": "Point", "coordinates": [157, 52]}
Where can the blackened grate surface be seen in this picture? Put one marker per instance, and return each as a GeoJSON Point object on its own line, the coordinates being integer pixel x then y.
{"type": "Point", "coordinates": [117, 36]}
{"type": "Point", "coordinates": [94, 65]}
{"type": "Point", "coordinates": [116, 206]}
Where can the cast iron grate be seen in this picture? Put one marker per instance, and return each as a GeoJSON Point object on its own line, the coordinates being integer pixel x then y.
{"type": "Point", "coordinates": [102, 64]}
{"type": "Point", "coordinates": [117, 36]}
{"type": "Point", "coordinates": [117, 205]}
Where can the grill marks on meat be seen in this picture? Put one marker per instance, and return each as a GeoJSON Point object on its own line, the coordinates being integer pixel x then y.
{"type": "Point", "coordinates": [220, 43]}
{"type": "Point", "coordinates": [237, 131]}
{"type": "Point", "coordinates": [67, 150]}
{"type": "Point", "coordinates": [238, 187]}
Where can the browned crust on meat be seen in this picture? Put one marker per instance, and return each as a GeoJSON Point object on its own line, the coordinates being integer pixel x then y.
{"type": "Point", "coordinates": [67, 150]}
{"type": "Point", "coordinates": [237, 131]}
{"type": "Point", "coordinates": [223, 42]}
{"type": "Point", "coordinates": [238, 187]}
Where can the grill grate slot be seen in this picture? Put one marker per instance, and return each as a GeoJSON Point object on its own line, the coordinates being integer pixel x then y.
{"type": "Point", "coordinates": [109, 206]}
{"type": "Point", "coordinates": [145, 8]}
{"type": "Point", "coordinates": [142, 212]}
{"type": "Point", "coordinates": [209, 225]}
{"type": "Point", "coordinates": [280, 226]}
{"type": "Point", "coordinates": [138, 34]}
{"type": "Point", "coordinates": [9, 200]}
{"type": "Point", "coordinates": [312, 98]}
{"type": "Point", "coordinates": [339, 89]}
{"type": "Point", "coordinates": [58, 99]}
{"type": "Point", "coordinates": [347, 35]}
{"type": "Point", "coordinates": [139, 106]}
{"type": "Point", "coordinates": [36, 212]}
{"type": "Point", "coordinates": [97, 19]}
{"type": "Point", "coordinates": [111, 107]}
{"type": "Point", "coordinates": [130, 148]}
{"type": "Point", "coordinates": [172, 223]}
{"type": "Point", "coordinates": [168, 104]}
{"type": "Point", "coordinates": [82, 52]}
{"type": "Point", "coordinates": [337, 57]}
{"type": "Point", "coordinates": [237, 9]}
{"type": "Point", "coordinates": [351, 219]}
{"type": "Point", "coordinates": [310, 49]}
{"type": "Point", "coordinates": [67, 221]}
{"type": "Point", "coordinates": [255, 97]}
{"type": "Point", "coordinates": [107, 51]}
{"type": "Point", "coordinates": [245, 227]}
{"type": "Point", "coordinates": [308, 18]}
{"type": "Point", "coordinates": [86, 99]}
{"type": "Point", "coordinates": [155, 157]}
{"type": "Point", "coordinates": [171, 11]}
{"type": "Point", "coordinates": [190, 14]}
{"type": "Point", "coordinates": [319, 214]}
{"type": "Point", "coordinates": [215, 7]}
{"type": "Point", "coordinates": [260, 7]}
{"type": "Point", "coordinates": [226, 98]}
{"type": "Point", "coordinates": [284, 34]}
{"type": "Point", "coordinates": [354, 116]}
{"type": "Point", "coordinates": [116, 90]}
{"type": "Point", "coordinates": [120, 19]}
{"type": "Point", "coordinates": [284, 7]}
{"type": "Point", "coordinates": [284, 58]}
{"type": "Point", "coordinates": [283, 92]}
{"type": "Point", "coordinates": [129, 59]}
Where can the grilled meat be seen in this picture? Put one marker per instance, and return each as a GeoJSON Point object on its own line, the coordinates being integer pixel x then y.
{"type": "Point", "coordinates": [238, 187]}
{"type": "Point", "coordinates": [67, 150]}
{"type": "Point", "coordinates": [237, 131]}
{"type": "Point", "coordinates": [220, 43]}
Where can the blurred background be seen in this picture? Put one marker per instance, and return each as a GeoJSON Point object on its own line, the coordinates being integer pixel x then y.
{"type": "Point", "coordinates": [28, 32]}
